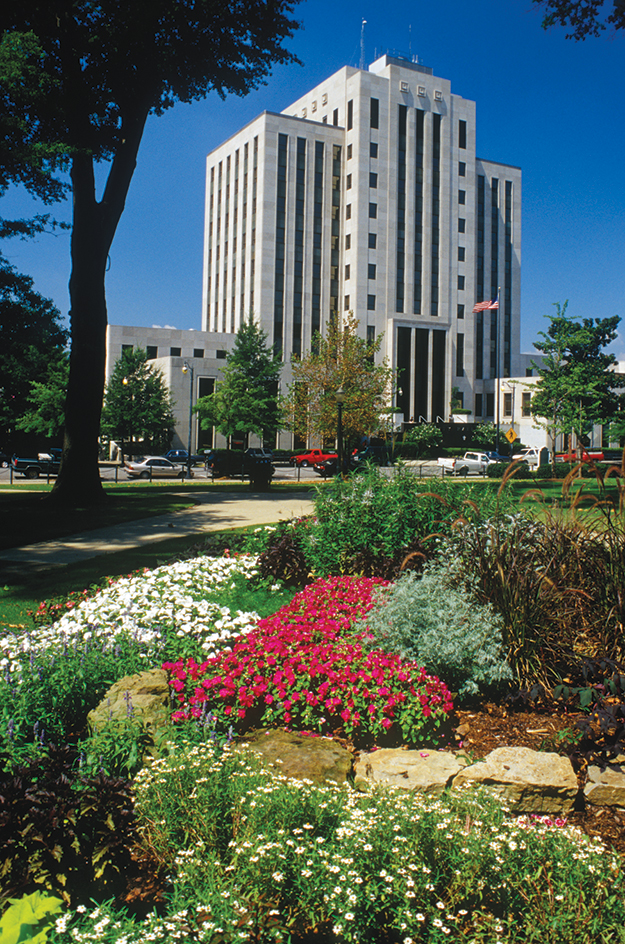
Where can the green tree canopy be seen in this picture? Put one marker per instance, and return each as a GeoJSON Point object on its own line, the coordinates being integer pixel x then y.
{"type": "Point", "coordinates": [45, 414]}
{"type": "Point", "coordinates": [583, 17]}
{"type": "Point", "coordinates": [246, 400]}
{"type": "Point", "coordinates": [340, 360]}
{"type": "Point", "coordinates": [31, 337]}
{"type": "Point", "coordinates": [576, 385]}
{"type": "Point", "coordinates": [106, 67]}
{"type": "Point", "coordinates": [138, 403]}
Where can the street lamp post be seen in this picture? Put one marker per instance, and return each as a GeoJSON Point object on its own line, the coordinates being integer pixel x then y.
{"type": "Point", "coordinates": [188, 369]}
{"type": "Point", "coordinates": [340, 399]}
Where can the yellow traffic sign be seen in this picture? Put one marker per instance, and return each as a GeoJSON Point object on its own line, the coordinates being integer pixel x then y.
{"type": "Point", "coordinates": [511, 435]}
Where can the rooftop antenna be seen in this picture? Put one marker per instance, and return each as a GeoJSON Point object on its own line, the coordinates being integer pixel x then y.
{"type": "Point", "coordinates": [362, 44]}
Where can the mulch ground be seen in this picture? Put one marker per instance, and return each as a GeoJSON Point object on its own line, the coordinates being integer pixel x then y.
{"type": "Point", "coordinates": [481, 731]}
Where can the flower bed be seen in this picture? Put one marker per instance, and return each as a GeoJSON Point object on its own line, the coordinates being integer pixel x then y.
{"type": "Point", "coordinates": [305, 668]}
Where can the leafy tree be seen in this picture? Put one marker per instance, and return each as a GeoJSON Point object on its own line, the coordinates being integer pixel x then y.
{"type": "Point", "coordinates": [46, 400]}
{"type": "Point", "coordinates": [576, 386]}
{"type": "Point", "coordinates": [246, 400]}
{"type": "Point", "coordinates": [107, 66]}
{"type": "Point", "coordinates": [484, 436]}
{"type": "Point", "coordinates": [584, 17]}
{"type": "Point", "coordinates": [426, 437]}
{"type": "Point", "coordinates": [340, 360]}
{"type": "Point", "coordinates": [138, 403]}
{"type": "Point", "coordinates": [31, 337]}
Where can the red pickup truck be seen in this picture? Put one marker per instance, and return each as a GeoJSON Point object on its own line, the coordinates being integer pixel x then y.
{"type": "Point", "coordinates": [588, 455]}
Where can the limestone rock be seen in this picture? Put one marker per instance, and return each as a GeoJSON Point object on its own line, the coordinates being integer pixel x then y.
{"type": "Point", "coordinates": [145, 696]}
{"type": "Point", "coordinates": [428, 771]}
{"type": "Point", "coordinates": [606, 787]}
{"type": "Point", "coordinates": [528, 781]}
{"type": "Point", "coordinates": [299, 756]}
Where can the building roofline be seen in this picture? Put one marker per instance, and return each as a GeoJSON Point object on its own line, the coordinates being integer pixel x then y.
{"type": "Point", "coordinates": [487, 160]}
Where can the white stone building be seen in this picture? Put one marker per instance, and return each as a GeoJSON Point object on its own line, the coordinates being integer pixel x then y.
{"type": "Point", "coordinates": [365, 195]}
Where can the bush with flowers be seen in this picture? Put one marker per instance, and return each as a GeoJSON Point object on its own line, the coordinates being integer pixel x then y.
{"type": "Point", "coordinates": [305, 668]}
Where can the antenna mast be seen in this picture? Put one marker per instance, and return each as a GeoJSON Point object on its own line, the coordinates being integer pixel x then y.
{"type": "Point", "coordinates": [362, 44]}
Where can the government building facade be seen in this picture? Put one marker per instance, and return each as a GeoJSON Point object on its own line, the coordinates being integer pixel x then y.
{"type": "Point", "coordinates": [367, 196]}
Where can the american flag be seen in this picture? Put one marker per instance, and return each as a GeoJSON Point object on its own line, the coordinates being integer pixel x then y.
{"type": "Point", "coordinates": [484, 306]}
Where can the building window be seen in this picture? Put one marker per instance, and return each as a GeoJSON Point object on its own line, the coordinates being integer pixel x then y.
{"type": "Point", "coordinates": [126, 347]}
{"type": "Point", "coordinates": [375, 112]}
{"type": "Point", "coordinates": [348, 181]}
{"type": "Point", "coordinates": [462, 169]}
{"type": "Point", "coordinates": [460, 311]}
{"type": "Point", "coordinates": [373, 240]}
{"type": "Point", "coordinates": [373, 180]}
{"type": "Point", "coordinates": [462, 197]}
{"type": "Point", "coordinates": [346, 305]}
{"type": "Point", "coordinates": [461, 253]}
{"type": "Point", "coordinates": [529, 372]}
{"type": "Point", "coordinates": [347, 271]}
{"type": "Point", "coordinates": [370, 302]}
{"type": "Point", "coordinates": [461, 225]}
{"type": "Point", "coordinates": [221, 355]}
{"type": "Point", "coordinates": [198, 352]}
{"type": "Point", "coordinates": [507, 404]}
{"type": "Point", "coordinates": [175, 352]}
{"type": "Point", "coordinates": [373, 211]}
{"type": "Point", "coordinates": [348, 211]}
{"type": "Point", "coordinates": [324, 120]}
{"type": "Point", "coordinates": [350, 115]}
{"type": "Point", "coordinates": [478, 404]}
{"type": "Point", "coordinates": [373, 149]}
{"type": "Point", "coordinates": [462, 139]}
{"type": "Point", "coordinates": [349, 152]}
{"type": "Point", "coordinates": [490, 404]}
{"type": "Point", "coordinates": [335, 116]}
{"type": "Point", "coordinates": [461, 283]}
{"type": "Point", "coordinates": [370, 334]}
{"type": "Point", "coordinates": [526, 404]}
{"type": "Point", "coordinates": [371, 271]}
{"type": "Point", "coordinates": [151, 352]}
{"type": "Point", "coordinates": [460, 355]}
{"type": "Point", "coordinates": [348, 241]}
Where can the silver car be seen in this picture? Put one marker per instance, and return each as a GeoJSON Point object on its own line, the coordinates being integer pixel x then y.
{"type": "Point", "coordinates": [155, 467]}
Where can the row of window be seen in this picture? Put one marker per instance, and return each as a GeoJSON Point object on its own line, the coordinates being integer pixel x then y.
{"type": "Point", "coordinates": [152, 352]}
{"type": "Point", "coordinates": [370, 303]}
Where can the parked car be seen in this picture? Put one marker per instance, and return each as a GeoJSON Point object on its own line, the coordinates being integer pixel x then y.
{"type": "Point", "coordinates": [4, 460]}
{"type": "Point", "coordinates": [311, 457]}
{"type": "Point", "coordinates": [154, 467]}
{"type": "Point", "coordinates": [255, 452]}
{"type": "Point", "coordinates": [533, 456]}
{"type": "Point", "coordinates": [588, 455]}
{"type": "Point", "coordinates": [181, 456]}
{"type": "Point", "coordinates": [376, 454]}
{"type": "Point", "coordinates": [330, 466]}
{"type": "Point", "coordinates": [497, 457]}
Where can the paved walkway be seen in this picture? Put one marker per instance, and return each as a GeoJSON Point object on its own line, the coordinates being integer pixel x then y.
{"type": "Point", "coordinates": [212, 513]}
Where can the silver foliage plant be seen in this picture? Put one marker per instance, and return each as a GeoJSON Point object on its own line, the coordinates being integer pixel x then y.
{"type": "Point", "coordinates": [434, 621]}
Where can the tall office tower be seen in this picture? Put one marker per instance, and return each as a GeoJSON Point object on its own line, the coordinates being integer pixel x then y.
{"type": "Point", "coordinates": [366, 195]}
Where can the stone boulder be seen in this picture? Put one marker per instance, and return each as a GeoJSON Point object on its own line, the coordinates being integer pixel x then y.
{"type": "Point", "coordinates": [606, 787]}
{"type": "Point", "coordinates": [144, 696]}
{"type": "Point", "coordinates": [301, 757]}
{"type": "Point", "coordinates": [428, 771]}
{"type": "Point", "coordinates": [527, 781]}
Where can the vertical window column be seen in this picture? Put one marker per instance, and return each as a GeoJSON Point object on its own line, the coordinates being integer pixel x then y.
{"type": "Point", "coordinates": [507, 297]}
{"type": "Point", "coordinates": [317, 239]}
{"type": "Point", "coordinates": [418, 215]}
{"type": "Point", "coordinates": [253, 221]}
{"type": "Point", "coordinates": [479, 320]}
{"type": "Point", "coordinates": [436, 203]}
{"type": "Point", "coordinates": [335, 241]}
{"type": "Point", "coordinates": [401, 207]}
{"type": "Point", "coordinates": [278, 302]}
{"type": "Point", "coordinates": [404, 371]}
{"type": "Point", "coordinates": [494, 276]}
{"type": "Point", "coordinates": [298, 262]}
{"type": "Point", "coordinates": [224, 310]}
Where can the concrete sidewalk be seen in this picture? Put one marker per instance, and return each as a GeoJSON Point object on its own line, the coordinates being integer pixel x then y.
{"type": "Point", "coordinates": [212, 513]}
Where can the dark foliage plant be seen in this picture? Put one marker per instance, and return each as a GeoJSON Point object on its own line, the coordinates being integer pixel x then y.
{"type": "Point", "coordinates": [283, 558]}
{"type": "Point", "coordinates": [70, 834]}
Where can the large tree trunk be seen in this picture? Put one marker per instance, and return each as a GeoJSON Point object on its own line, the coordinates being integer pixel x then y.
{"type": "Point", "coordinates": [94, 225]}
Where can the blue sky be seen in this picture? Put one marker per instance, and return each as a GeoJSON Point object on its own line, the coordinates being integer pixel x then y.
{"type": "Point", "coordinates": [552, 106]}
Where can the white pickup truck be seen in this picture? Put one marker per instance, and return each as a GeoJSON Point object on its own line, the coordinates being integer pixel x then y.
{"type": "Point", "coordinates": [471, 462]}
{"type": "Point", "coordinates": [533, 456]}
